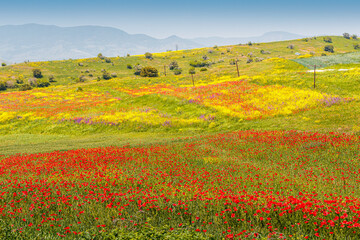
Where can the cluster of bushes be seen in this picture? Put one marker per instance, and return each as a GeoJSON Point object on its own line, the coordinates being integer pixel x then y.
{"type": "Point", "coordinates": [197, 63]}
{"type": "Point", "coordinates": [348, 36]}
{"type": "Point", "coordinates": [174, 66]}
{"type": "Point", "coordinates": [145, 71]}
{"type": "Point", "coordinates": [329, 48]}
{"type": "Point", "coordinates": [328, 39]}
{"type": "Point", "coordinates": [102, 57]}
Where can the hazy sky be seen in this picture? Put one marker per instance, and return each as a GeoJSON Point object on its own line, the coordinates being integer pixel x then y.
{"type": "Point", "coordinates": [191, 18]}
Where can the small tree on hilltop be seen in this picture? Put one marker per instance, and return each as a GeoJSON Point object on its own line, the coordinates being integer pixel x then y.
{"type": "Point", "coordinates": [37, 73]}
{"type": "Point", "coordinates": [148, 55]}
{"type": "Point", "coordinates": [346, 35]}
{"type": "Point", "coordinates": [354, 36]}
{"type": "Point", "coordinates": [3, 64]}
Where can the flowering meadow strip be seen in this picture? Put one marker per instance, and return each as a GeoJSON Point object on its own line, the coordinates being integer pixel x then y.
{"type": "Point", "coordinates": [242, 99]}
{"type": "Point", "coordinates": [240, 185]}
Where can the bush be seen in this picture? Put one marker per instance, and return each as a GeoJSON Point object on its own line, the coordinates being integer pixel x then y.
{"type": "Point", "coordinates": [81, 64]}
{"type": "Point", "coordinates": [354, 36]}
{"type": "Point", "coordinates": [25, 87]}
{"type": "Point", "coordinates": [101, 56]}
{"type": "Point", "coordinates": [197, 63]}
{"type": "Point", "coordinates": [129, 66]}
{"type": "Point", "coordinates": [107, 60]}
{"type": "Point", "coordinates": [328, 39]}
{"type": "Point", "coordinates": [106, 75]}
{"type": "Point", "coordinates": [37, 73]}
{"type": "Point", "coordinates": [149, 72]}
{"type": "Point", "coordinates": [52, 78]}
{"type": "Point", "coordinates": [249, 60]}
{"type": "Point", "coordinates": [82, 78]}
{"type": "Point", "coordinates": [228, 50]}
{"type": "Point", "coordinates": [232, 61]}
{"type": "Point", "coordinates": [323, 54]}
{"type": "Point", "coordinates": [2, 86]}
{"type": "Point", "coordinates": [250, 43]}
{"type": "Point", "coordinates": [3, 64]}
{"type": "Point", "coordinates": [203, 69]}
{"type": "Point", "coordinates": [173, 65]}
{"type": "Point", "coordinates": [148, 56]}
{"type": "Point", "coordinates": [356, 46]}
{"type": "Point", "coordinates": [329, 48]}
{"type": "Point", "coordinates": [114, 75]}
{"type": "Point", "coordinates": [264, 52]}
{"type": "Point", "coordinates": [291, 46]}
{"type": "Point", "coordinates": [205, 57]}
{"type": "Point", "coordinates": [192, 70]}
{"type": "Point", "coordinates": [177, 71]}
{"type": "Point", "coordinates": [32, 82]}
{"type": "Point", "coordinates": [41, 83]}
{"type": "Point", "coordinates": [346, 35]}
{"type": "Point", "coordinates": [137, 69]}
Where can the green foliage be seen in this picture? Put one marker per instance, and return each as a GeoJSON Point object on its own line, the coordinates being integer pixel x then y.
{"type": "Point", "coordinates": [148, 55]}
{"type": "Point", "coordinates": [37, 73]}
{"type": "Point", "coordinates": [129, 66]}
{"type": "Point", "coordinates": [173, 65]}
{"type": "Point", "coordinates": [25, 87]}
{"type": "Point", "coordinates": [197, 63]}
{"type": "Point", "coordinates": [149, 72]}
{"type": "Point", "coordinates": [82, 78]}
{"type": "Point", "coordinates": [357, 46]}
{"type": "Point", "coordinates": [41, 83]}
{"type": "Point", "coordinates": [192, 71]}
{"type": "Point", "coordinates": [107, 60]}
{"type": "Point", "coordinates": [291, 46]}
{"type": "Point", "coordinates": [106, 75]}
{"type": "Point", "coordinates": [177, 71]}
{"type": "Point", "coordinates": [346, 35]}
{"type": "Point", "coordinates": [137, 69]}
{"type": "Point", "coordinates": [3, 64]}
{"type": "Point", "coordinates": [354, 36]}
{"type": "Point", "coordinates": [329, 48]}
{"type": "Point", "coordinates": [328, 39]}
{"type": "Point", "coordinates": [2, 86]}
{"type": "Point", "coordinates": [232, 61]}
{"type": "Point", "coordinates": [101, 56]}
{"type": "Point", "coordinates": [250, 43]}
{"type": "Point", "coordinates": [113, 75]}
{"type": "Point", "coordinates": [203, 69]}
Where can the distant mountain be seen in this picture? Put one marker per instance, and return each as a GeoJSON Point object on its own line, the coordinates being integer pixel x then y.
{"type": "Point", "coordinates": [36, 42]}
{"type": "Point", "coordinates": [267, 37]}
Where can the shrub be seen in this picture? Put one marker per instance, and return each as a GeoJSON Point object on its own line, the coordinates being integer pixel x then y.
{"type": "Point", "coordinates": [192, 70]}
{"type": "Point", "coordinates": [129, 66]}
{"type": "Point", "coordinates": [2, 86]}
{"type": "Point", "coordinates": [323, 54]}
{"type": "Point", "coordinates": [205, 57]}
{"type": "Point", "coordinates": [107, 60]}
{"type": "Point", "coordinates": [114, 75]}
{"type": "Point", "coordinates": [203, 69]}
{"type": "Point", "coordinates": [101, 56]}
{"type": "Point", "coordinates": [82, 78]}
{"type": "Point", "coordinates": [328, 39]}
{"type": "Point", "coordinates": [41, 83]}
{"type": "Point", "coordinates": [356, 46]}
{"type": "Point", "coordinates": [32, 81]}
{"type": "Point", "coordinates": [3, 64]}
{"type": "Point", "coordinates": [37, 73]}
{"type": "Point", "coordinates": [149, 72]}
{"type": "Point", "coordinates": [264, 52]}
{"type": "Point", "coordinates": [81, 64]}
{"type": "Point", "coordinates": [210, 51]}
{"type": "Point", "coordinates": [249, 60]}
{"type": "Point", "coordinates": [25, 87]}
{"type": "Point", "coordinates": [346, 35]}
{"type": "Point", "coordinates": [177, 71]}
{"type": "Point", "coordinates": [232, 61]}
{"type": "Point", "coordinates": [354, 36]}
{"type": "Point", "coordinates": [329, 48]}
{"type": "Point", "coordinates": [137, 69]}
{"type": "Point", "coordinates": [257, 59]}
{"type": "Point", "coordinates": [228, 50]}
{"type": "Point", "coordinates": [250, 43]}
{"type": "Point", "coordinates": [173, 65]}
{"type": "Point", "coordinates": [106, 75]}
{"type": "Point", "coordinates": [148, 55]}
{"type": "Point", "coordinates": [52, 78]}
{"type": "Point", "coordinates": [197, 63]}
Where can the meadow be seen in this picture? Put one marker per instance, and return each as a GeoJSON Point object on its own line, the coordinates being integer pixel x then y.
{"type": "Point", "coordinates": [257, 153]}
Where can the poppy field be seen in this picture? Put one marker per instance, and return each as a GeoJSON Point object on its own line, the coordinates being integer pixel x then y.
{"type": "Point", "coordinates": [239, 185]}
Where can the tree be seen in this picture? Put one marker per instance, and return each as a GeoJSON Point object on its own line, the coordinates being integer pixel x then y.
{"type": "Point", "coordinates": [148, 55]}
{"type": "Point", "coordinates": [329, 48]}
{"type": "Point", "coordinates": [328, 39]}
{"type": "Point", "coordinates": [3, 64]}
{"type": "Point", "coordinates": [37, 73]}
{"type": "Point", "coordinates": [173, 65]}
{"type": "Point", "coordinates": [192, 72]}
{"type": "Point", "coordinates": [354, 36]}
{"type": "Point", "coordinates": [106, 75]}
{"type": "Point", "coordinates": [149, 72]}
{"type": "Point", "coordinates": [346, 35]}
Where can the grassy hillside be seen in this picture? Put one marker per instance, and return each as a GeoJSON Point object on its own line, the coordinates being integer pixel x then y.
{"type": "Point", "coordinates": [272, 92]}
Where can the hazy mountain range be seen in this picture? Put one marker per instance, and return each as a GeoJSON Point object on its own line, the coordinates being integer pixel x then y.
{"type": "Point", "coordinates": [36, 42]}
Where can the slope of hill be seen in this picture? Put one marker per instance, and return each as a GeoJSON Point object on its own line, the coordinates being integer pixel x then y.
{"type": "Point", "coordinates": [267, 37]}
{"type": "Point", "coordinates": [41, 42]}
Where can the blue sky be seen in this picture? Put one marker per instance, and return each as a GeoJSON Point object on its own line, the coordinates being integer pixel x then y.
{"type": "Point", "coordinates": [196, 18]}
